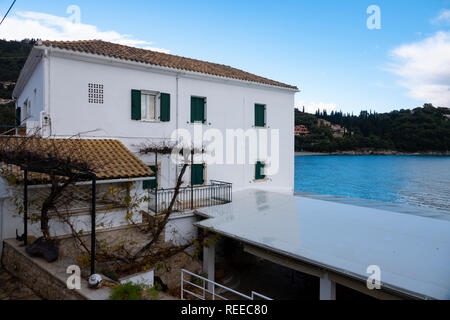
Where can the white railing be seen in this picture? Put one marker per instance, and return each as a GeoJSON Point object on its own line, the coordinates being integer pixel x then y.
{"type": "Point", "coordinates": [208, 289]}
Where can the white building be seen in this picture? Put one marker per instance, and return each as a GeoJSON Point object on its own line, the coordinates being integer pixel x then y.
{"type": "Point", "coordinates": [86, 87]}
{"type": "Point", "coordinates": [101, 90]}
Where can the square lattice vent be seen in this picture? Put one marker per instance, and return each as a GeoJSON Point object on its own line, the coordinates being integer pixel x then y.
{"type": "Point", "coordinates": [95, 93]}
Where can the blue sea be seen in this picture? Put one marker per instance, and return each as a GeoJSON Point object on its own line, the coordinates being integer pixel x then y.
{"type": "Point", "coordinates": [408, 184]}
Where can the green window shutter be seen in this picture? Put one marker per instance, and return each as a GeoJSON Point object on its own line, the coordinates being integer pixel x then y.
{"type": "Point", "coordinates": [201, 115]}
{"type": "Point", "coordinates": [260, 115]}
{"type": "Point", "coordinates": [151, 184]}
{"type": "Point", "coordinates": [197, 174]}
{"type": "Point", "coordinates": [197, 109]}
{"type": "Point", "coordinates": [135, 104]}
{"type": "Point", "coordinates": [18, 116]}
{"type": "Point", "coordinates": [259, 171]}
{"type": "Point", "coordinates": [165, 107]}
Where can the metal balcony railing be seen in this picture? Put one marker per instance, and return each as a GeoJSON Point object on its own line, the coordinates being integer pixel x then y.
{"type": "Point", "coordinates": [191, 197]}
{"type": "Point", "coordinates": [206, 289]}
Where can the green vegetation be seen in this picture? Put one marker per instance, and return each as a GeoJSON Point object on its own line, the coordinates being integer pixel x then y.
{"type": "Point", "coordinates": [7, 117]}
{"type": "Point", "coordinates": [13, 55]}
{"type": "Point", "coordinates": [128, 291]}
{"type": "Point", "coordinates": [423, 129]}
{"type": "Point", "coordinates": [131, 291]}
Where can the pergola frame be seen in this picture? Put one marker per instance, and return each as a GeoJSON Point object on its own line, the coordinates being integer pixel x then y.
{"type": "Point", "coordinates": [167, 148]}
{"type": "Point", "coordinates": [63, 169]}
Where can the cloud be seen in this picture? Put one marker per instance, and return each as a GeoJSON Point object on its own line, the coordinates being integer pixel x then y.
{"type": "Point", "coordinates": [442, 18]}
{"type": "Point", "coordinates": [44, 26]}
{"type": "Point", "coordinates": [424, 68]}
{"type": "Point", "coordinates": [312, 107]}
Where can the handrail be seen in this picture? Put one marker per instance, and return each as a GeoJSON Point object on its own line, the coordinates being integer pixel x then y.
{"type": "Point", "coordinates": [189, 198]}
{"type": "Point", "coordinates": [219, 182]}
{"type": "Point", "coordinates": [213, 291]}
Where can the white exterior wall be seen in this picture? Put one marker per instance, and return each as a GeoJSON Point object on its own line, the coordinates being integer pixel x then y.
{"type": "Point", "coordinates": [229, 106]}
{"type": "Point", "coordinates": [12, 221]}
{"type": "Point", "coordinates": [61, 82]}
{"type": "Point", "coordinates": [33, 92]}
{"type": "Point", "coordinates": [180, 229]}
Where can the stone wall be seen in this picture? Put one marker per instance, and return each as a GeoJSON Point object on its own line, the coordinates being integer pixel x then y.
{"type": "Point", "coordinates": [33, 275]}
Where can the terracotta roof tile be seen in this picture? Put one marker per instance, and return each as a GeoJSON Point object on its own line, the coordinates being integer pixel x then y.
{"type": "Point", "coordinates": [161, 59]}
{"type": "Point", "coordinates": [109, 159]}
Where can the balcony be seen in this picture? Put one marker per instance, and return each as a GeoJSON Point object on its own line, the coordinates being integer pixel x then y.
{"type": "Point", "coordinates": [191, 197]}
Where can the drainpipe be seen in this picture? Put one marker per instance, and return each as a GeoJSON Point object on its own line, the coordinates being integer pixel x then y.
{"type": "Point", "coordinates": [192, 185]}
{"type": "Point", "coordinates": [46, 93]}
{"type": "Point", "coordinates": [176, 121]}
{"type": "Point", "coordinates": [93, 222]}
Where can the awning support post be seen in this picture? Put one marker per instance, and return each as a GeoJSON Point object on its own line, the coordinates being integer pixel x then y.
{"type": "Point", "coordinates": [94, 181]}
{"type": "Point", "coordinates": [327, 288]}
{"type": "Point", "coordinates": [209, 255]}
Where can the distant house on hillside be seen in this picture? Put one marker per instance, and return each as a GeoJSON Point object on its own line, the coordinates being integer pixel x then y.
{"type": "Point", "coordinates": [323, 123]}
{"type": "Point", "coordinates": [338, 131]}
{"type": "Point", "coordinates": [301, 130]}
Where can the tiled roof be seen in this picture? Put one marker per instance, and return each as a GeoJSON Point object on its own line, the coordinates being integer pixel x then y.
{"type": "Point", "coordinates": [161, 59]}
{"type": "Point", "coordinates": [108, 159]}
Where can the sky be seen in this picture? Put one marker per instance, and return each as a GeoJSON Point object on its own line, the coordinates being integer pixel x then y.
{"type": "Point", "coordinates": [324, 47]}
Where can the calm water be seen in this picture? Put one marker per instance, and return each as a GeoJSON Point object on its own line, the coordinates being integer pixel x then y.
{"type": "Point", "coordinates": [420, 184]}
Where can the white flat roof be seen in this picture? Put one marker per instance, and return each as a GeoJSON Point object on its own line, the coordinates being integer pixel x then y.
{"type": "Point", "coordinates": [413, 252]}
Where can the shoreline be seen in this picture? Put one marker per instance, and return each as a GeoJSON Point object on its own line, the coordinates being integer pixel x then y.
{"type": "Point", "coordinates": [372, 153]}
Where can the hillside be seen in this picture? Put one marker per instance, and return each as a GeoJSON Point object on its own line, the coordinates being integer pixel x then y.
{"type": "Point", "coordinates": [13, 55]}
{"type": "Point", "coordinates": [423, 129]}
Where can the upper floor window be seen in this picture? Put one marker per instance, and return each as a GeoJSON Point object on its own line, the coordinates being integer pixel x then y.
{"type": "Point", "coordinates": [27, 108]}
{"type": "Point", "coordinates": [198, 110]}
{"type": "Point", "coordinates": [260, 115]}
{"type": "Point", "coordinates": [150, 105]}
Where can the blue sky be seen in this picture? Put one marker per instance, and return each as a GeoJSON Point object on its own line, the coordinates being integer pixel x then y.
{"type": "Point", "coordinates": [323, 47]}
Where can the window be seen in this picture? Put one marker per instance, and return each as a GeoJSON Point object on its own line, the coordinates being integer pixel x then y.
{"type": "Point", "coordinates": [151, 184]}
{"type": "Point", "coordinates": [197, 174]}
{"type": "Point", "coordinates": [150, 106]}
{"type": "Point", "coordinates": [18, 116]}
{"type": "Point", "coordinates": [95, 93]}
{"type": "Point", "coordinates": [27, 108]}
{"type": "Point", "coordinates": [198, 114]}
{"type": "Point", "coordinates": [259, 171]}
{"type": "Point", "coordinates": [260, 115]}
